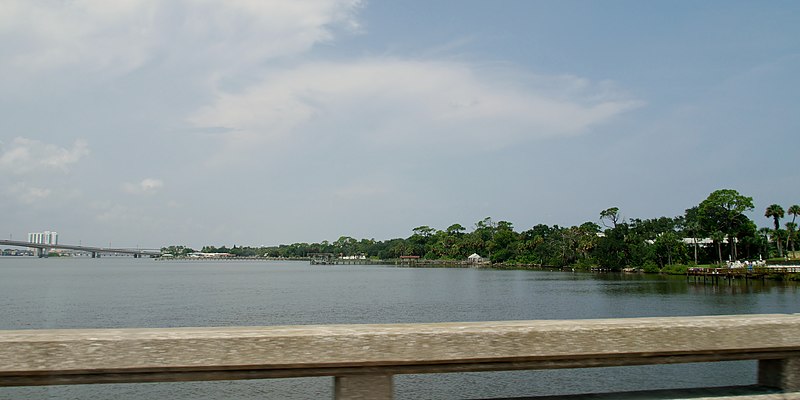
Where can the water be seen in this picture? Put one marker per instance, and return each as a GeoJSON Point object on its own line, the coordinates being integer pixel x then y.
{"type": "Point", "coordinates": [125, 292]}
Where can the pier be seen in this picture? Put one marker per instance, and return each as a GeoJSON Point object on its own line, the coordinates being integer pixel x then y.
{"type": "Point", "coordinates": [364, 358]}
{"type": "Point", "coordinates": [406, 261]}
{"type": "Point", "coordinates": [715, 275]}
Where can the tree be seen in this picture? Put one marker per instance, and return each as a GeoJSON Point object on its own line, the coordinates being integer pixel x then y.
{"type": "Point", "coordinates": [794, 211]}
{"type": "Point", "coordinates": [667, 245]}
{"type": "Point", "coordinates": [345, 245]}
{"type": "Point", "coordinates": [587, 239]}
{"type": "Point", "coordinates": [483, 234]}
{"type": "Point", "coordinates": [610, 214]}
{"type": "Point", "coordinates": [775, 212]}
{"type": "Point", "coordinates": [722, 211]}
{"type": "Point", "coordinates": [424, 231]}
{"type": "Point", "coordinates": [613, 250]}
{"type": "Point", "coordinates": [177, 250]}
{"type": "Point", "coordinates": [500, 245]}
{"type": "Point", "coordinates": [791, 229]}
{"type": "Point", "coordinates": [718, 237]}
{"type": "Point", "coordinates": [455, 230]}
{"type": "Point", "coordinates": [692, 227]}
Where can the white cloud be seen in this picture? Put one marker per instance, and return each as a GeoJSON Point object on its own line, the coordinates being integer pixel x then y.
{"type": "Point", "coordinates": [27, 194]}
{"type": "Point", "coordinates": [389, 102]}
{"type": "Point", "coordinates": [146, 186]}
{"type": "Point", "coordinates": [114, 37]}
{"type": "Point", "coordinates": [30, 156]}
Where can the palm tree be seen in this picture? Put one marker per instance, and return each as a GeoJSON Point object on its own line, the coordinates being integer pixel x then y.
{"type": "Point", "coordinates": [794, 211]}
{"type": "Point", "coordinates": [790, 230]}
{"type": "Point", "coordinates": [718, 237]}
{"type": "Point", "coordinates": [776, 213]}
{"type": "Point", "coordinates": [765, 232]}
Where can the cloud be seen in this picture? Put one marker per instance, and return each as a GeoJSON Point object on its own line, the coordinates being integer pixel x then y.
{"type": "Point", "coordinates": [25, 156]}
{"type": "Point", "coordinates": [402, 103]}
{"type": "Point", "coordinates": [146, 186]}
{"type": "Point", "coordinates": [27, 194]}
{"type": "Point", "coordinates": [115, 37]}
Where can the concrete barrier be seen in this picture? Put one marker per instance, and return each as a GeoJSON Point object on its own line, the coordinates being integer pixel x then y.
{"type": "Point", "coordinates": [363, 358]}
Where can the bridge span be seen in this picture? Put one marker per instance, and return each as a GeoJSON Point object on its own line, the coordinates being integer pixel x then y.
{"type": "Point", "coordinates": [363, 358]}
{"type": "Point", "coordinates": [95, 251]}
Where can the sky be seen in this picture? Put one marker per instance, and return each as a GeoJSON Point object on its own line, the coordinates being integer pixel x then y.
{"type": "Point", "coordinates": [148, 123]}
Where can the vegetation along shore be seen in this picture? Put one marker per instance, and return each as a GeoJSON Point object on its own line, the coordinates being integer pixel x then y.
{"type": "Point", "coordinates": [714, 232]}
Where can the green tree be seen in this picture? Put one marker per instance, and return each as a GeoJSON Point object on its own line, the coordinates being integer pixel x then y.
{"type": "Point", "coordinates": [482, 236]}
{"type": "Point", "coordinates": [692, 228]}
{"type": "Point", "coordinates": [668, 248]}
{"type": "Point", "coordinates": [455, 230]}
{"type": "Point", "coordinates": [611, 215]}
{"type": "Point", "coordinates": [791, 230]}
{"type": "Point", "coordinates": [764, 233]}
{"type": "Point", "coordinates": [345, 245]}
{"type": "Point", "coordinates": [535, 245]}
{"type": "Point", "coordinates": [775, 212]}
{"type": "Point", "coordinates": [794, 211]}
{"type": "Point", "coordinates": [613, 250]}
{"type": "Point", "coordinates": [587, 239]}
{"type": "Point", "coordinates": [424, 231]}
{"type": "Point", "coordinates": [177, 250]}
{"type": "Point", "coordinates": [501, 243]}
{"type": "Point", "coordinates": [723, 211]}
{"type": "Point", "coordinates": [718, 237]}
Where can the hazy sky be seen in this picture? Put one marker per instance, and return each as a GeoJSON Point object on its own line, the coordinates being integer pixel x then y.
{"type": "Point", "coordinates": [156, 122]}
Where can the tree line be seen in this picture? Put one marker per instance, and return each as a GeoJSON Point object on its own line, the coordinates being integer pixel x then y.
{"type": "Point", "coordinates": [711, 232]}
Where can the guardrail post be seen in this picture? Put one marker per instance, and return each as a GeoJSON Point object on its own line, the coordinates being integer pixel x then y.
{"type": "Point", "coordinates": [782, 373]}
{"type": "Point", "coordinates": [363, 387]}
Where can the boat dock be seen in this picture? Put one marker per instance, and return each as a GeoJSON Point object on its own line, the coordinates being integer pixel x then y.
{"type": "Point", "coordinates": [714, 275]}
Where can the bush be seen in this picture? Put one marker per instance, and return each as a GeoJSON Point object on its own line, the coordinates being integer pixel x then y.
{"type": "Point", "coordinates": [675, 269]}
{"type": "Point", "coordinates": [585, 264]}
{"type": "Point", "coordinates": [650, 267]}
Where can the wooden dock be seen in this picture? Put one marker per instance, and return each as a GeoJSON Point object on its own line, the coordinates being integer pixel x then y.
{"type": "Point", "coordinates": [715, 275]}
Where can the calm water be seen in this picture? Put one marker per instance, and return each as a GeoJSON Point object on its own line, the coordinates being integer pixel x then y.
{"type": "Point", "coordinates": [125, 292]}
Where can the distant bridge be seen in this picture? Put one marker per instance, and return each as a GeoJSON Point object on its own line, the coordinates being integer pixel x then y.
{"type": "Point", "coordinates": [95, 251]}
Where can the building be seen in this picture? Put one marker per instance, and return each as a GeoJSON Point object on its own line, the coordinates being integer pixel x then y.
{"type": "Point", "coordinates": [475, 259]}
{"type": "Point", "coordinates": [46, 237]}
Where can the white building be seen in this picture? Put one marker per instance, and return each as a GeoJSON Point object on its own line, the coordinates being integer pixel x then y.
{"type": "Point", "coordinates": [45, 237]}
{"type": "Point", "coordinates": [475, 259]}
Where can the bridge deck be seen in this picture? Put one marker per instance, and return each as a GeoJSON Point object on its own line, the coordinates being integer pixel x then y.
{"type": "Point", "coordinates": [88, 249]}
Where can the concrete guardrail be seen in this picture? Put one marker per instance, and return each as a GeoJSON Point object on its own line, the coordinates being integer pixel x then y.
{"type": "Point", "coordinates": [363, 358]}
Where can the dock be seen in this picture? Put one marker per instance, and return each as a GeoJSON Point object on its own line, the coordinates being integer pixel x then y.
{"type": "Point", "coordinates": [715, 275]}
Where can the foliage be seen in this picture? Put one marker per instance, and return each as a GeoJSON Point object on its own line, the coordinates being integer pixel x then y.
{"type": "Point", "coordinates": [775, 212]}
{"type": "Point", "coordinates": [611, 215]}
{"type": "Point", "coordinates": [177, 250]}
{"type": "Point", "coordinates": [723, 212]}
{"type": "Point", "coordinates": [675, 269]}
{"type": "Point", "coordinates": [665, 244]}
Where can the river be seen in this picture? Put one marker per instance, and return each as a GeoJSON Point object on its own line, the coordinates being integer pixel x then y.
{"type": "Point", "coordinates": [113, 292]}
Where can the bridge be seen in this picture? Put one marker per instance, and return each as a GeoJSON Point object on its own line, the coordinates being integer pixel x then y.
{"type": "Point", "coordinates": [95, 251]}
{"type": "Point", "coordinates": [363, 358]}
